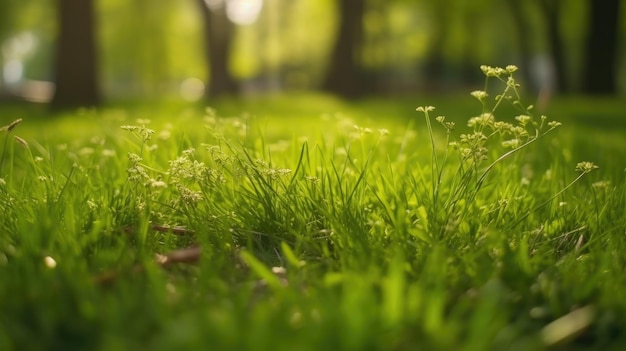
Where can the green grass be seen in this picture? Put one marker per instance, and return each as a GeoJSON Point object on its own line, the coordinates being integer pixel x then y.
{"type": "Point", "coordinates": [316, 228]}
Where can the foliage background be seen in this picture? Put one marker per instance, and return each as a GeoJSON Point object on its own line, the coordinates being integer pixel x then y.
{"type": "Point", "coordinates": [149, 48]}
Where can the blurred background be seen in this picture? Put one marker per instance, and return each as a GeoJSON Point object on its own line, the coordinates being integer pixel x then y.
{"type": "Point", "coordinates": [86, 52]}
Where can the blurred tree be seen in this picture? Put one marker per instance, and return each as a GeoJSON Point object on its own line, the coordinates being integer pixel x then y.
{"type": "Point", "coordinates": [76, 64]}
{"type": "Point", "coordinates": [148, 47]}
{"type": "Point", "coordinates": [519, 16]}
{"type": "Point", "coordinates": [600, 67]}
{"type": "Point", "coordinates": [285, 42]}
{"type": "Point", "coordinates": [218, 33]}
{"type": "Point", "coordinates": [552, 13]}
{"type": "Point", "coordinates": [439, 30]}
{"type": "Point", "coordinates": [470, 19]}
{"type": "Point", "coordinates": [343, 75]}
{"type": "Point", "coordinates": [6, 11]}
{"type": "Point", "coordinates": [6, 17]}
{"type": "Point", "coordinates": [143, 29]}
{"type": "Point", "coordinates": [25, 40]}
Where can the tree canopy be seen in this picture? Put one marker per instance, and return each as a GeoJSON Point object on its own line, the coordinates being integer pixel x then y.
{"type": "Point", "coordinates": [160, 47]}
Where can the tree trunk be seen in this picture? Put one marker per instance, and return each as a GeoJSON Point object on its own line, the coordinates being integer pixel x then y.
{"type": "Point", "coordinates": [551, 11]}
{"type": "Point", "coordinates": [343, 76]}
{"type": "Point", "coordinates": [522, 30]}
{"type": "Point", "coordinates": [435, 65]}
{"type": "Point", "coordinates": [218, 34]}
{"type": "Point", "coordinates": [76, 58]}
{"type": "Point", "coordinates": [601, 53]}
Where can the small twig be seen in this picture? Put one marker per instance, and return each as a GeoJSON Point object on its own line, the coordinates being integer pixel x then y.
{"type": "Point", "coordinates": [109, 278]}
{"type": "Point", "coordinates": [569, 326]}
{"type": "Point", "coordinates": [177, 229]}
{"type": "Point", "coordinates": [189, 255]}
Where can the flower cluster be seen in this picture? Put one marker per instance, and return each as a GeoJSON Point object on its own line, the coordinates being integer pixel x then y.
{"type": "Point", "coordinates": [141, 132]}
{"type": "Point", "coordinates": [585, 167]}
{"type": "Point", "coordinates": [270, 172]}
{"type": "Point", "coordinates": [183, 169]}
{"type": "Point", "coordinates": [498, 71]}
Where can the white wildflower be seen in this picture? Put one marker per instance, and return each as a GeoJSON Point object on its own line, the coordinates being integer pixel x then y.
{"type": "Point", "coordinates": [49, 262]}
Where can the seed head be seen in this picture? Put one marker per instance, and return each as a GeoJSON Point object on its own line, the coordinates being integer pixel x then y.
{"type": "Point", "coordinates": [479, 94]}
{"type": "Point", "coordinates": [492, 71]}
{"type": "Point", "coordinates": [523, 119]}
{"type": "Point", "coordinates": [21, 141]}
{"type": "Point", "coordinates": [12, 126]}
{"type": "Point", "coordinates": [554, 124]}
{"type": "Point", "coordinates": [586, 167]}
{"type": "Point", "coordinates": [425, 108]}
{"type": "Point", "coordinates": [601, 184]}
{"type": "Point", "coordinates": [511, 68]}
{"type": "Point", "coordinates": [157, 183]}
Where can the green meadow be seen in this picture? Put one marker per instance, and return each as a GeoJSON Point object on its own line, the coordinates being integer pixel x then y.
{"type": "Point", "coordinates": [305, 222]}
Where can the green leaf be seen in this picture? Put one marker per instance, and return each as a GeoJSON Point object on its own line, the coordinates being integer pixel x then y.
{"type": "Point", "coordinates": [290, 256]}
{"type": "Point", "coordinates": [261, 270]}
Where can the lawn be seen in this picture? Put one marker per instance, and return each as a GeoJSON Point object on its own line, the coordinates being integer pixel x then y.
{"type": "Point", "coordinates": [304, 222]}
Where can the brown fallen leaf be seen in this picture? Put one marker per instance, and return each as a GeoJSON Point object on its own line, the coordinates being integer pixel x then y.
{"type": "Point", "coordinates": [186, 255]}
{"type": "Point", "coordinates": [108, 278]}
{"type": "Point", "coordinates": [177, 229]}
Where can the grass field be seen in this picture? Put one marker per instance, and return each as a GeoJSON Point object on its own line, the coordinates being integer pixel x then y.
{"type": "Point", "coordinates": [304, 222]}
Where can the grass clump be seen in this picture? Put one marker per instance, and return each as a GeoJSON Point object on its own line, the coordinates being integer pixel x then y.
{"type": "Point", "coordinates": [218, 231]}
